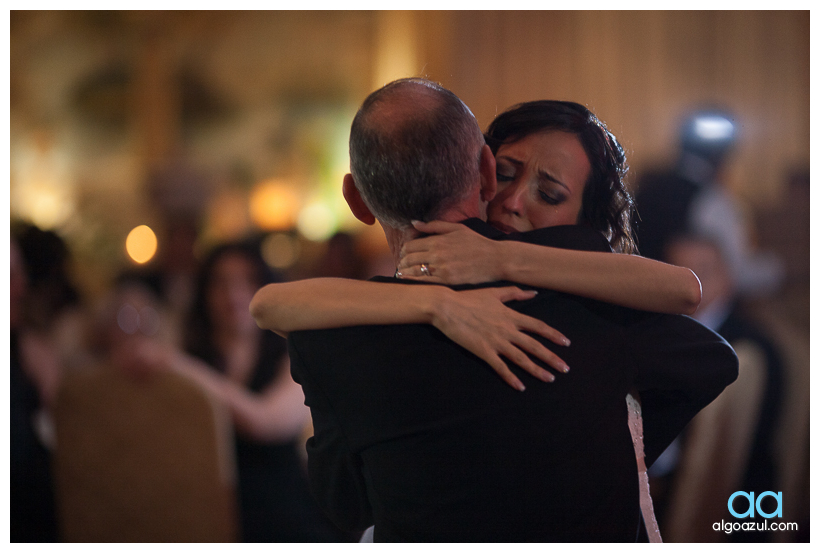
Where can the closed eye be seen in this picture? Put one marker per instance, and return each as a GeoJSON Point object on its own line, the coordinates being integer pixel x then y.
{"type": "Point", "coordinates": [551, 199]}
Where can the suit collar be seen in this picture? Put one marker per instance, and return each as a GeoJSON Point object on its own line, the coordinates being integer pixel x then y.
{"type": "Point", "coordinates": [569, 237]}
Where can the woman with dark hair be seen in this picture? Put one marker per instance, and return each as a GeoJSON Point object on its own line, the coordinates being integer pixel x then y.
{"type": "Point", "coordinates": [606, 204]}
{"type": "Point", "coordinates": [248, 370]}
{"type": "Point", "coordinates": [556, 164]}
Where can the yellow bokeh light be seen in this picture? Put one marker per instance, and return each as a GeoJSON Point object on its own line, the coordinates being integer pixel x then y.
{"type": "Point", "coordinates": [317, 222]}
{"type": "Point", "coordinates": [42, 183]}
{"type": "Point", "coordinates": [273, 205]}
{"type": "Point", "coordinates": [141, 244]}
{"type": "Point", "coordinates": [47, 206]}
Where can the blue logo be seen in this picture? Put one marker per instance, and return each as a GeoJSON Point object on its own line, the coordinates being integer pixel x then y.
{"type": "Point", "coordinates": [755, 505]}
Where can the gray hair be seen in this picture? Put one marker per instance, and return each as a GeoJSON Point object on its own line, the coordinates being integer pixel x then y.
{"type": "Point", "coordinates": [415, 151]}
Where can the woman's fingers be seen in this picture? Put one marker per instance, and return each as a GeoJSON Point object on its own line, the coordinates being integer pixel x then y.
{"type": "Point", "coordinates": [414, 260]}
{"type": "Point", "coordinates": [525, 322]}
{"type": "Point", "coordinates": [520, 346]}
{"type": "Point", "coordinates": [517, 352]}
{"type": "Point", "coordinates": [512, 293]}
{"type": "Point", "coordinates": [521, 359]}
{"type": "Point", "coordinates": [532, 346]}
{"type": "Point", "coordinates": [437, 227]}
{"type": "Point", "coordinates": [415, 272]}
{"type": "Point", "coordinates": [537, 326]}
{"type": "Point", "coordinates": [518, 349]}
{"type": "Point", "coordinates": [410, 267]}
{"type": "Point", "coordinates": [417, 245]}
{"type": "Point", "coordinates": [479, 321]}
{"type": "Point", "coordinates": [422, 278]}
{"type": "Point", "coordinates": [504, 372]}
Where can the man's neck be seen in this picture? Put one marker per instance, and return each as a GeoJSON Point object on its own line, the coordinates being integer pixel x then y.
{"type": "Point", "coordinates": [396, 238]}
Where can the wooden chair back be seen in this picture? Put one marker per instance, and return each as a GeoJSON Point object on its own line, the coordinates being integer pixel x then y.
{"type": "Point", "coordinates": [148, 460]}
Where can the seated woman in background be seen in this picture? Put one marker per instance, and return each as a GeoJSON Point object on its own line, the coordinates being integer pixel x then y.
{"type": "Point", "coordinates": [248, 370]}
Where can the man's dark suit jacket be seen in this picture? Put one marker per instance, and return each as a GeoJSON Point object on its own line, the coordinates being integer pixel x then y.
{"type": "Point", "coordinates": [421, 438]}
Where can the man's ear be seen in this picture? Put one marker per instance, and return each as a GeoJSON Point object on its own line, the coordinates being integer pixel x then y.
{"type": "Point", "coordinates": [489, 184]}
{"type": "Point", "coordinates": [355, 201]}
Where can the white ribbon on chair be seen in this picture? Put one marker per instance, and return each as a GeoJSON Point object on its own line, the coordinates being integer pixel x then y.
{"type": "Point", "coordinates": [647, 509]}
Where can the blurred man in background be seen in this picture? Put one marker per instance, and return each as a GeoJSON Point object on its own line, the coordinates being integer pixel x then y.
{"type": "Point", "coordinates": [692, 197]}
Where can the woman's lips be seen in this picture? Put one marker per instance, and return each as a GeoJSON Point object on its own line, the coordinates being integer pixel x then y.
{"type": "Point", "coordinates": [504, 228]}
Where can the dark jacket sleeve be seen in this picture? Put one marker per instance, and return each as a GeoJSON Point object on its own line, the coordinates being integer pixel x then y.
{"type": "Point", "coordinates": [680, 367]}
{"type": "Point", "coordinates": [334, 472]}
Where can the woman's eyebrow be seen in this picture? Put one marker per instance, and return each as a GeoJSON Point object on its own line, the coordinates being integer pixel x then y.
{"type": "Point", "coordinates": [511, 160]}
{"type": "Point", "coordinates": [542, 175]}
{"type": "Point", "coordinates": [545, 175]}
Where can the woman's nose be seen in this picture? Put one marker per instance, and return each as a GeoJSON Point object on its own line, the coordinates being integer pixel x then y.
{"type": "Point", "coordinates": [514, 198]}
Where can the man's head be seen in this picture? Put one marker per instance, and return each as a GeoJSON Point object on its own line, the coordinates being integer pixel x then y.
{"type": "Point", "coordinates": [416, 153]}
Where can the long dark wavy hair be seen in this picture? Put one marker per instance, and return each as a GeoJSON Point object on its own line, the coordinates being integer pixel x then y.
{"type": "Point", "coordinates": [198, 335]}
{"type": "Point", "coordinates": [606, 206]}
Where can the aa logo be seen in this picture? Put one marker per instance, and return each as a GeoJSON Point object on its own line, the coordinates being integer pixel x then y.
{"type": "Point", "coordinates": [755, 505]}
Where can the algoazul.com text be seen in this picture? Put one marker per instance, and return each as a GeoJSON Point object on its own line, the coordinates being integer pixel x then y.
{"type": "Point", "coordinates": [762, 526]}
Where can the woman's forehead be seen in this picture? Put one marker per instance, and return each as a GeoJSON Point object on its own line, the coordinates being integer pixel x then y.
{"type": "Point", "coordinates": [552, 151]}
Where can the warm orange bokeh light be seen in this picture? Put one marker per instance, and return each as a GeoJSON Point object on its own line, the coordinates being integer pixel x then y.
{"type": "Point", "coordinates": [141, 244]}
{"type": "Point", "coordinates": [273, 205]}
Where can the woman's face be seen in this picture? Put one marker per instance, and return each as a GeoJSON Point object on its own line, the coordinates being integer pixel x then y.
{"type": "Point", "coordinates": [541, 182]}
{"type": "Point", "coordinates": [233, 284]}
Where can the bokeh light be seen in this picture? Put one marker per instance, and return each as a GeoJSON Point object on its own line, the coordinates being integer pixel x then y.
{"type": "Point", "coordinates": [47, 206]}
{"type": "Point", "coordinates": [141, 244]}
{"type": "Point", "coordinates": [128, 319]}
{"type": "Point", "coordinates": [273, 205]}
{"type": "Point", "coordinates": [713, 127]}
{"type": "Point", "coordinates": [280, 250]}
{"type": "Point", "coordinates": [42, 181]}
{"type": "Point", "coordinates": [317, 221]}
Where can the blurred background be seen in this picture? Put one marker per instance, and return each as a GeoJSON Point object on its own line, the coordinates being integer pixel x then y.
{"type": "Point", "coordinates": [139, 141]}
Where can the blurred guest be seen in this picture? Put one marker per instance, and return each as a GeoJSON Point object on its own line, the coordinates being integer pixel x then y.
{"type": "Point", "coordinates": [54, 316]}
{"type": "Point", "coordinates": [46, 323]}
{"type": "Point", "coordinates": [341, 259]}
{"type": "Point", "coordinates": [739, 427]}
{"type": "Point", "coordinates": [32, 516]}
{"type": "Point", "coordinates": [693, 197]}
{"type": "Point", "coordinates": [172, 274]}
{"type": "Point", "coordinates": [131, 311]}
{"type": "Point", "coordinates": [47, 256]}
{"type": "Point", "coordinates": [248, 370]}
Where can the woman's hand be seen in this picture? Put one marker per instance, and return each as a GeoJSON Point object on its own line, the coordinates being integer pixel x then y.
{"type": "Point", "coordinates": [453, 255]}
{"type": "Point", "coordinates": [479, 321]}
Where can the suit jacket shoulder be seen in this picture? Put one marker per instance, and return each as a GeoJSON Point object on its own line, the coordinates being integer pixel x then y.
{"type": "Point", "coordinates": [680, 367]}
